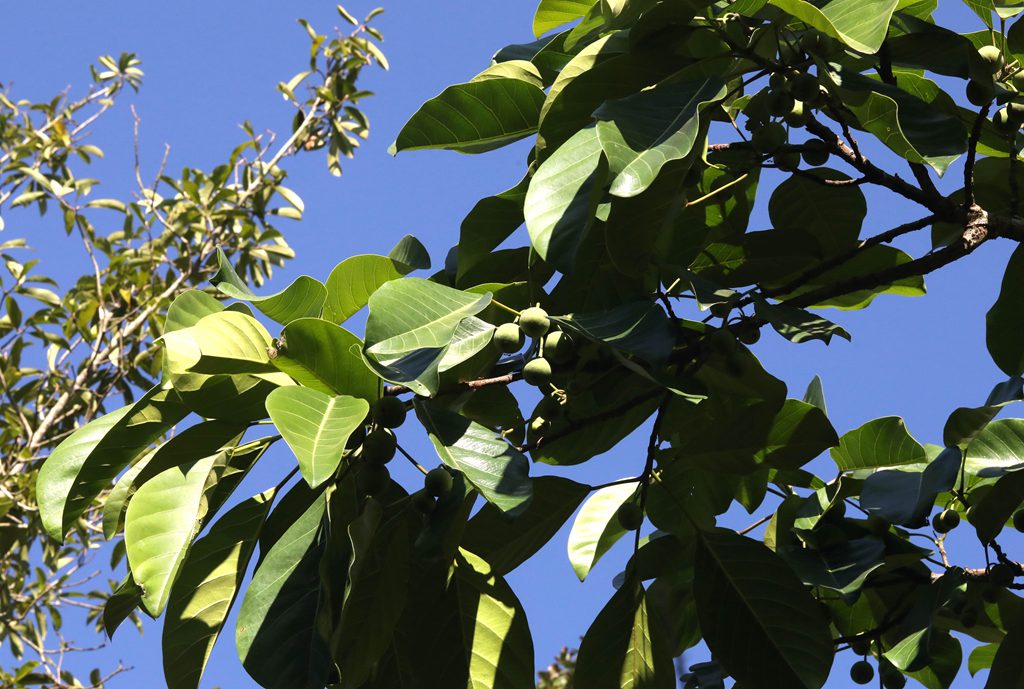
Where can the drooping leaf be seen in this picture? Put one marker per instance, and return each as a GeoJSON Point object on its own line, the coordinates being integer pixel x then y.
{"type": "Point", "coordinates": [860, 24]}
{"type": "Point", "coordinates": [998, 448]}
{"type": "Point", "coordinates": [842, 567]}
{"type": "Point", "coordinates": [797, 325]}
{"type": "Point", "coordinates": [301, 299]}
{"type": "Point", "coordinates": [316, 427]}
{"type": "Point", "coordinates": [474, 117]}
{"type": "Point", "coordinates": [352, 281]}
{"type": "Point", "coordinates": [202, 597]}
{"type": "Point", "coordinates": [991, 512]}
{"type": "Point", "coordinates": [490, 223]}
{"type": "Point", "coordinates": [981, 658]}
{"type": "Point", "coordinates": [638, 328]}
{"type": "Point", "coordinates": [125, 599]}
{"type": "Point", "coordinates": [410, 253]}
{"type": "Point", "coordinates": [799, 433]}
{"type": "Point", "coordinates": [756, 617]}
{"type": "Point", "coordinates": [325, 357]}
{"type": "Point", "coordinates": [883, 442]}
{"type": "Point", "coordinates": [552, 14]}
{"type": "Point", "coordinates": [907, 497]}
{"type": "Point", "coordinates": [489, 463]}
{"type": "Point", "coordinates": [1004, 324]}
{"type": "Point", "coordinates": [596, 528]}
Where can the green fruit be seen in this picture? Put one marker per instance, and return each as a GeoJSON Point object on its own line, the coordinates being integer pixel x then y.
{"type": "Point", "coordinates": [534, 321]}
{"type": "Point", "coordinates": [778, 81]}
{"type": "Point", "coordinates": [780, 103]}
{"type": "Point", "coordinates": [379, 446]}
{"type": "Point", "coordinates": [356, 439]}
{"type": "Point", "coordinates": [768, 138]}
{"type": "Point", "coordinates": [980, 92]}
{"type": "Point", "coordinates": [945, 521]}
{"type": "Point", "coordinates": [537, 372]}
{"type": "Point", "coordinates": [389, 412]}
{"type": "Point", "coordinates": [509, 337]}
{"type": "Point", "coordinates": [1002, 574]}
{"type": "Point", "coordinates": [373, 478]}
{"type": "Point", "coordinates": [630, 516]}
{"type": "Point", "coordinates": [438, 482]}
{"type": "Point", "coordinates": [1004, 123]}
{"type": "Point", "coordinates": [423, 503]}
{"type": "Point", "coordinates": [992, 57]}
{"type": "Point", "coordinates": [862, 672]}
{"type": "Point", "coordinates": [799, 116]}
{"type": "Point", "coordinates": [891, 677]}
{"type": "Point", "coordinates": [1018, 520]}
{"type": "Point", "coordinates": [748, 332]}
{"type": "Point", "coordinates": [757, 110]}
{"type": "Point", "coordinates": [861, 645]}
{"type": "Point", "coordinates": [804, 86]}
{"type": "Point", "coordinates": [786, 159]}
{"type": "Point", "coordinates": [721, 310]}
{"type": "Point", "coordinates": [558, 347]}
{"type": "Point", "coordinates": [816, 152]}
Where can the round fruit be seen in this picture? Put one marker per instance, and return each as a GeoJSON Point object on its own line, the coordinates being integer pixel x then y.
{"type": "Point", "coordinates": [945, 521]}
{"type": "Point", "coordinates": [1018, 520]}
{"type": "Point", "coordinates": [1004, 123]}
{"type": "Point", "coordinates": [780, 103]}
{"type": "Point", "coordinates": [356, 438]}
{"type": "Point", "coordinates": [438, 482]}
{"type": "Point", "coordinates": [861, 645]}
{"type": "Point", "coordinates": [799, 116]}
{"type": "Point", "coordinates": [379, 446]}
{"type": "Point", "coordinates": [630, 516]}
{"type": "Point", "coordinates": [787, 159]}
{"type": "Point", "coordinates": [509, 337]}
{"type": "Point", "coordinates": [534, 321]}
{"type": "Point", "coordinates": [778, 81]}
{"type": "Point", "coordinates": [423, 503]}
{"type": "Point", "coordinates": [748, 333]}
{"type": "Point", "coordinates": [1002, 574]}
{"type": "Point", "coordinates": [980, 92]}
{"type": "Point", "coordinates": [816, 152]}
{"type": "Point", "coordinates": [373, 478]}
{"type": "Point", "coordinates": [757, 109]}
{"type": "Point", "coordinates": [768, 138]}
{"type": "Point", "coordinates": [891, 677]}
{"type": "Point", "coordinates": [389, 412]}
{"type": "Point", "coordinates": [992, 57]}
{"type": "Point", "coordinates": [804, 86]}
{"type": "Point", "coordinates": [862, 672]}
{"type": "Point", "coordinates": [558, 347]}
{"type": "Point", "coordinates": [537, 372]}
{"type": "Point", "coordinates": [721, 310]}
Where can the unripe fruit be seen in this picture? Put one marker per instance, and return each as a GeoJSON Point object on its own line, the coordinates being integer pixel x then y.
{"type": "Point", "coordinates": [630, 516]}
{"type": "Point", "coordinates": [757, 110]}
{"type": "Point", "coordinates": [537, 372]}
{"type": "Point", "coordinates": [748, 333]}
{"type": "Point", "coordinates": [1018, 80]}
{"type": "Point", "coordinates": [534, 321]}
{"type": "Point", "coordinates": [721, 310]}
{"type": "Point", "coordinates": [891, 677]}
{"type": "Point", "coordinates": [810, 42]}
{"type": "Point", "coordinates": [373, 478]}
{"type": "Point", "coordinates": [1004, 123]}
{"type": "Point", "coordinates": [509, 337]}
{"type": "Point", "coordinates": [768, 138]}
{"type": "Point", "coordinates": [861, 645]}
{"type": "Point", "coordinates": [980, 92]}
{"type": "Point", "coordinates": [799, 115]}
{"type": "Point", "coordinates": [389, 412]}
{"type": "Point", "coordinates": [778, 81]}
{"type": "Point", "coordinates": [423, 503]}
{"type": "Point", "coordinates": [992, 57]}
{"type": "Point", "coordinates": [438, 482]}
{"type": "Point", "coordinates": [816, 152]}
{"type": "Point", "coordinates": [804, 86]}
{"type": "Point", "coordinates": [558, 347]}
{"type": "Point", "coordinates": [787, 159]}
{"type": "Point", "coordinates": [1018, 520]}
{"type": "Point", "coordinates": [945, 521]}
{"type": "Point", "coordinates": [356, 438]}
{"type": "Point", "coordinates": [1002, 574]}
{"type": "Point", "coordinates": [1016, 109]}
{"type": "Point", "coordinates": [780, 103]}
{"type": "Point", "coordinates": [379, 446]}
{"type": "Point", "coordinates": [862, 672]}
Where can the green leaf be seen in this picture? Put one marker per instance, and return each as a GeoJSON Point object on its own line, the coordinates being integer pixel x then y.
{"type": "Point", "coordinates": [906, 496]}
{"type": "Point", "coordinates": [410, 253]}
{"type": "Point", "coordinates": [860, 24]}
{"type": "Point", "coordinates": [163, 517]}
{"type": "Point", "coordinates": [623, 648]}
{"type": "Point", "coordinates": [316, 427]}
{"type": "Point", "coordinates": [325, 357]}
{"type": "Point", "coordinates": [991, 512]}
{"type": "Point", "coordinates": [816, 394]}
{"type": "Point", "coordinates": [489, 463]}
{"type": "Point", "coordinates": [641, 133]}
{"type": "Point", "coordinates": [997, 449]}
{"type": "Point", "coordinates": [797, 325]}
{"type": "Point", "coordinates": [799, 433]}
{"type": "Point", "coordinates": [833, 215]}
{"type": "Point", "coordinates": [883, 442]}
{"type": "Point", "coordinates": [303, 298]}
{"type": "Point", "coordinates": [125, 599]}
{"type": "Point", "coordinates": [504, 542]}
{"type": "Point", "coordinates": [981, 658]}
{"type": "Point", "coordinates": [275, 635]}
{"type": "Point", "coordinates": [638, 328]}
{"type": "Point", "coordinates": [491, 222]}
{"type": "Point", "coordinates": [964, 424]}
{"type": "Point", "coordinates": [552, 14]}
{"type": "Point", "coordinates": [756, 616]}
{"type": "Point", "coordinates": [596, 528]}
{"type": "Point", "coordinates": [1004, 324]}
{"type": "Point", "coordinates": [841, 567]}
{"type": "Point", "coordinates": [206, 589]}
{"type": "Point", "coordinates": [352, 281]}
{"type": "Point", "coordinates": [473, 117]}
{"type": "Point", "coordinates": [90, 458]}
{"type": "Point", "coordinates": [563, 196]}
{"type": "Point", "coordinates": [188, 308]}
{"type": "Point", "coordinates": [117, 498]}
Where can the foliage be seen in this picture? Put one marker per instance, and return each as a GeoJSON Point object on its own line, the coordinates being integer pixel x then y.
{"type": "Point", "coordinates": [641, 288]}
{"type": "Point", "coordinates": [69, 351]}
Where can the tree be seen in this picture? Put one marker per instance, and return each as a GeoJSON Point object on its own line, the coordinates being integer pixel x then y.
{"type": "Point", "coordinates": [631, 308]}
{"type": "Point", "coordinates": [65, 357]}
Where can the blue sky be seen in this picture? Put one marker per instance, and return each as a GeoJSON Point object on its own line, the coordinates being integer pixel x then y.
{"type": "Point", "coordinates": [211, 65]}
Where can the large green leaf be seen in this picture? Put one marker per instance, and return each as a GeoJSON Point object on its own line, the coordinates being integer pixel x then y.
{"type": "Point", "coordinates": [623, 649]}
{"type": "Point", "coordinates": [552, 14]}
{"type": "Point", "coordinates": [474, 117]}
{"type": "Point", "coordinates": [117, 498]}
{"type": "Point", "coordinates": [563, 196]}
{"type": "Point", "coordinates": [908, 496]}
{"type": "Point", "coordinates": [189, 307]}
{"type": "Point", "coordinates": [163, 517]}
{"type": "Point", "coordinates": [860, 24]}
{"type": "Point", "coordinates": [964, 424]}
{"type": "Point", "coordinates": [508, 542]}
{"type": "Point", "coordinates": [275, 635]}
{"type": "Point", "coordinates": [756, 616]}
{"type": "Point", "coordinates": [799, 433]}
{"type": "Point", "coordinates": [303, 298]}
{"type": "Point", "coordinates": [883, 442]}
{"type": "Point", "coordinates": [833, 215]}
{"type": "Point", "coordinates": [842, 567]}
{"type": "Point", "coordinates": [798, 325]}
{"type": "Point", "coordinates": [206, 589]}
{"type": "Point", "coordinates": [638, 328]}
{"type": "Point", "coordinates": [489, 463]}
{"type": "Point", "coordinates": [1004, 324]}
{"type": "Point", "coordinates": [90, 458]}
{"type": "Point", "coordinates": [326, 357]}
{"type": "Point", "coordinates": [489, 224]}
{"type": "Point", "coordinates": [997, 449]}
{"type": "Point", "coordinates": [993, 509]}
{"type": "Point", "coordinates": [352, 281]}
{"type": "Point", "coordinates": [316, 427]}
{"type": "Point", "coordinates": [1008, 665]}
{"type": "Point", "coordinates": [596, 528]}
{"type": "Point", "coordinates": [641, 133]}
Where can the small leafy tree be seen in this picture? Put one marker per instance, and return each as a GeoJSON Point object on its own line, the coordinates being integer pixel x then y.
{"type": "Point", "coordinates": [64, 357]}
{"type": "Point", "coordinates": [629, 301]}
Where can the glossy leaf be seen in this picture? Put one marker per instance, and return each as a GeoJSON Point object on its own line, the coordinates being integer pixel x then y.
{"type": "Point", "coordinates": [997, 449]}
{"type": "Point", "coordinates": [883, 442]}
{"type": "Point", "coordinates": [640, 329]}
{"type": "Point", "coordinates": [1004, 325]}
{"type": "Point", "coordinates": [596, 528]}
{"type": "Point", "coordinates": [352, 281]}
{"type": "Point", "coordinates": [797, 325]}
{"type": "Point", "coordinates": [860, 24]}
{"type": "Point", "coordinates": [799, 433]}
{"type": "Point", "coordinates": [906, 496]}
{"type": "Point", "coordinates": [552, 14]}
{"type": "Point", "coordinates": [324, 357]}
{"type": "Point", "coordinates": [301, 299]}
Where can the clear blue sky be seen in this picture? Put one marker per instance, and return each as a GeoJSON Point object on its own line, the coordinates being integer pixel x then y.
{"type": "Point", "coordinates": [211, 65]}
